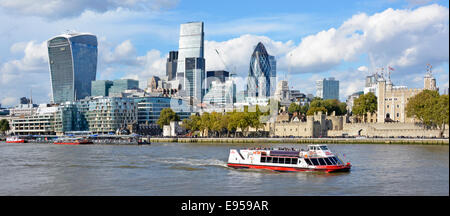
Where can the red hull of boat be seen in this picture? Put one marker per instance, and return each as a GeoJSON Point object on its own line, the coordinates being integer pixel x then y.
{"type": "Point", "coordinates": [340, 168]}
{"type": "Point", "coordinates": [71, 143]}
{"type": "Point", "coordinates": [20, 141]}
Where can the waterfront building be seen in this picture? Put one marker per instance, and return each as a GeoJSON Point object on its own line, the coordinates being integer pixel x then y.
{"type": "Point", "coordinates": [101, 87]}
{"type": "Point", "coordinates": [121, 85]}
{"type": "Point", "coordinates": [262, 73]}
{"type": "Point", "coordinates": [73, 65]}
{"type": "Point", "coordinates": [221, 95]}
{"type": "Point", "coordinates": [327, 88]}
{"type": "Point", "coordinates": [171, 65]}
{"type": "Point", "coordinates": [104, 115]}
{"type": "Point", "coordinates": [191, 62]}
{"type": "Point", "coordinates": [24, 110]}
{"type": "Point", "coordinates": [47, 120]}
{"type": "Point", "coordinates": [3, 111]}
{"type": "Point", "coordinates": [392, 99]}
{"type": "Point", "coordinates": [149, 108]}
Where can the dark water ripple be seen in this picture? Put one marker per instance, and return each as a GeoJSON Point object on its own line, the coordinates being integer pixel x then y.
{"type": "Point", "coordinates": [200, 169]}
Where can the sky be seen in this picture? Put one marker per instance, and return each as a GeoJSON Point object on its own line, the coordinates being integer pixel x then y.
{"type": "Point", "coordinates": [311, 40]}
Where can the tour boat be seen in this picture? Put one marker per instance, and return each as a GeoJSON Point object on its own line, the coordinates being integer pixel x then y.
{"type": "Point", "coordinates": [73, 141]}
{"type": "Point", "coordinates": [14, 140]}
{"type": "Point", "coordinates": [315, 158]}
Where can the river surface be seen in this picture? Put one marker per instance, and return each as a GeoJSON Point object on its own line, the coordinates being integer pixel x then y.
{"type": "Point", "coordinates": [184, 169]}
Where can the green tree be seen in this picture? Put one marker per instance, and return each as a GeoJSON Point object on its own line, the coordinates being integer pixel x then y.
{"type": "Point", "coordinates": [293, 107]}
{"type": "Point", "coordinates": [330, 105]}
{"type": "Point", "coordinates": [430, 108]}
{"type": "Point", "coordinates": [167, 115]}
{"type": "Point", "coordinates": [441, 115]}
{"type": "Point", "coordinates": [4, 126]}
{"type": "Point", "coordinates": [364, 104]}
{"type": "Point", "coordinates": [313, 110]}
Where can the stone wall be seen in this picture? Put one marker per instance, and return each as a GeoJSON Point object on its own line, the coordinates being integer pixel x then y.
{"type": "Point", "coordinates": [386, 130]}
{"type": "Point", "coordinates": [321, 125]}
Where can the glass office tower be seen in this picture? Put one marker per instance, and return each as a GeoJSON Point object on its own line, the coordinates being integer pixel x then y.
{"type": "Point", "coordinates": [261, 74]}
{"type": "Point", "coordinates": [101, 87]}
{"type": "Point", "coordinates": [191, 62]}
{"type": "Point", "coordinates": [73, 65]}
{"type": "Point", "coordinates": [327, 88]}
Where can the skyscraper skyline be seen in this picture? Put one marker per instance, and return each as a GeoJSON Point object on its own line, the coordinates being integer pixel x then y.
{"type": "Point", "coordinates": [171, 65]}
{"type": "Point", "coordinates": [262, 72]}
{"type": "Point", "coordinates": [73, 65]}
{"type": "Point", "coordinates": [191, 61]}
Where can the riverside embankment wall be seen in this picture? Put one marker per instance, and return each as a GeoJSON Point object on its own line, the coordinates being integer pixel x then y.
{"type": "Point", "coordinates": [305, 140]}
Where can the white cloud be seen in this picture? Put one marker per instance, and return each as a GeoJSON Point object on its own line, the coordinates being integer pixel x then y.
{"type": "Point", "coordinates": [124, 53]}
{"type": "Point", "coordinates": [402, 38]}
{"type": "Point", "coordinates": [8, 101]}
{"type": "Point", "coordinates": [18, 77]}
{"type": "Point", "coordinates": [63, 8]}
{"type": "Point", "coordinates": [236, 52]}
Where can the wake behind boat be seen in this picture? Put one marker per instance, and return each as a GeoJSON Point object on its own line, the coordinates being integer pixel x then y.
{"type": "Point", "coordinates": [316, 158]}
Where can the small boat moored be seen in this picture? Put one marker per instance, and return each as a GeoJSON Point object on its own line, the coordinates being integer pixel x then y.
{"type": "Point", "coordinates": [73, 141]}
{"type": "Point", "coordinates": [316, 158]}
{"type": "Point", "coordinates": [14, 139]}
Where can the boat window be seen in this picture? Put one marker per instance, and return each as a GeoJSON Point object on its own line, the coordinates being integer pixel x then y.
{"type": "Point", "coordinates": [294, 161]}
{"type": "Point", "coordinates": [324, 148]}
{"type": "Point", "coordinates": [322, 162]}
{"type": "Point", "coordinates": [332, 160]}
{"type": "Point", "coordinates": [328, 161]}
{"type": "Point", "coordinates": [263, 159]}
{"type": "Point", "coordinates": [308, 161]}
{"type": "Point", "coordinates": [287, 160]}
{"type": "Point", "coordinates": [269, 160]}
{"type": "Point", "coordinates": [314, 161]}
{"type": "Point", "coordinates": [280, 160]}
{"type": "Point", "coordinates": [275, 160]}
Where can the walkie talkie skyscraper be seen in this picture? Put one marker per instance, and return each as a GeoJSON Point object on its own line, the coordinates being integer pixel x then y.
{"type": "Point", "coordinates": [73, 65]}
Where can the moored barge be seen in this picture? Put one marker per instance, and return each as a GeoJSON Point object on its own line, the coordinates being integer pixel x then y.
{"type": "Point", "coordinates": [73, 141]}
{"type": "Point", "coordinates": [315, 158]}
{"type": "Point", "coordinates": [14, 139]}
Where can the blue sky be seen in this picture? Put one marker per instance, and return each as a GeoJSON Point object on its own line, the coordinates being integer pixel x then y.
{"type": "Point", "coordinates": [311, 39]}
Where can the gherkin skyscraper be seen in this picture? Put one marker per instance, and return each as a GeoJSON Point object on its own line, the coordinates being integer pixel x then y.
{"type": "Point", "coordinates": [262, 73]}
{"type": "Point", "coordinates": [73, 65]}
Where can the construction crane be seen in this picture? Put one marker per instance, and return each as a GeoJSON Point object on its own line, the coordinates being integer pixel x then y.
{"type": "Point", "coordinates": [226, 67]}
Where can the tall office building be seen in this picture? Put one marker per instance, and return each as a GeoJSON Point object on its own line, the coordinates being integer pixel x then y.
{"type": "Point", "coordinates": [121, 85]}
{"type": "Point", "coordinates": [113, 88]}
{"type": "Point", "coordinates": [327, 88]}
{"type": "Point", "coordinates": [261, 74]}
{"type": "Point", "coordinates": [101, 87]}
{"type": "Point", "coordinates": [73, 65]}
{"type": "Point", "coordinates": [219, 75]}
{"type": "Point", "coordinates": [191, 63]}
{"type": "Point", "coordinates": [171, 65]}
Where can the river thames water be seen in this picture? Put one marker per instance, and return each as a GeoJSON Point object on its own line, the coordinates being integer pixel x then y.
{"type": "Point", "coordinates": [185, 169]}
